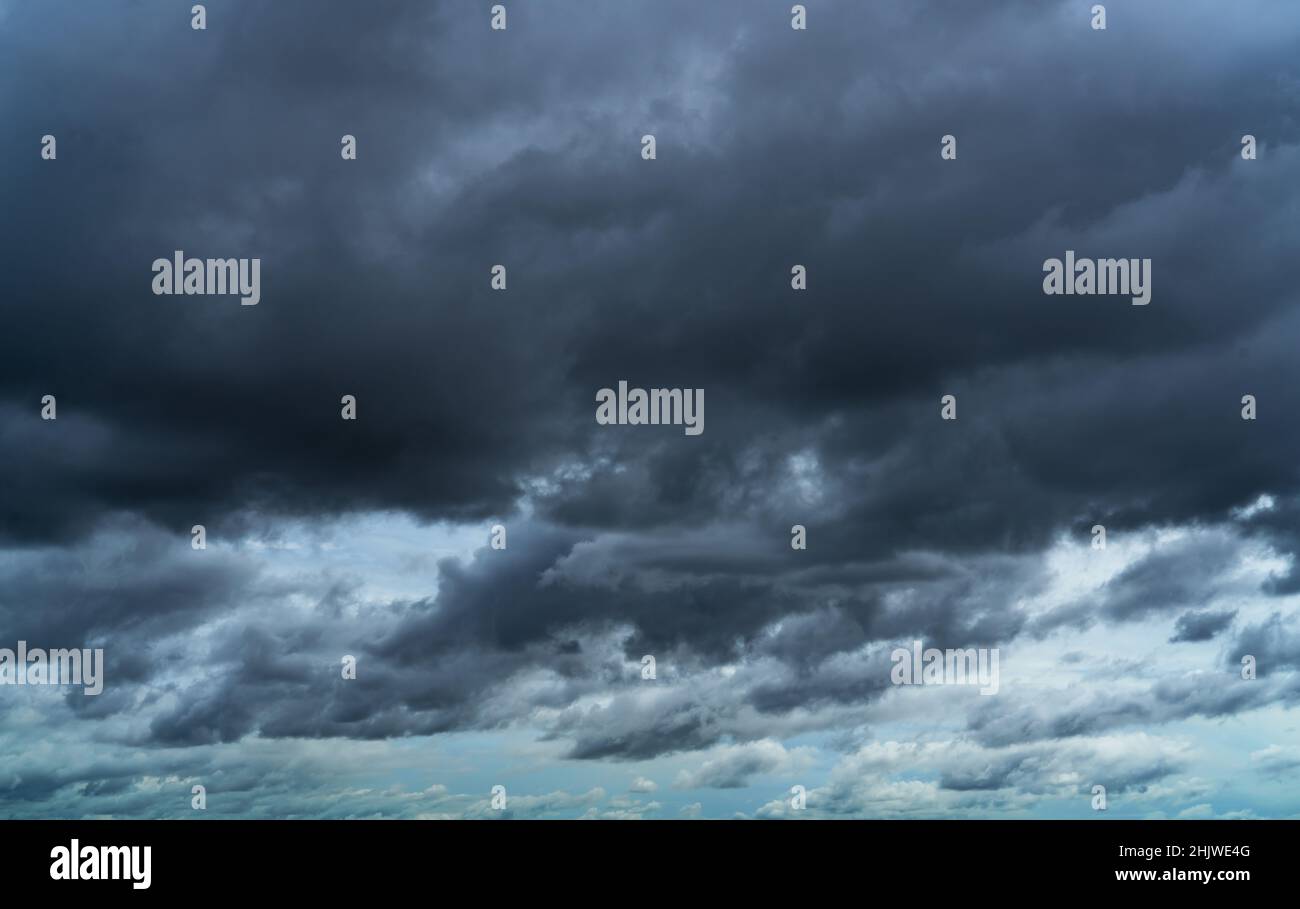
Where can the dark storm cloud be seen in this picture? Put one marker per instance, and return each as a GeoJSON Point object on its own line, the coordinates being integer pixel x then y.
{"type": "Point", "coordinates": [135, 582]}
{"type": "Point", "coordinates": [375, 271]}
{"type": "Point", "coordinates": [1201, 626]}
{"type": "Point", "coordinates": [1102, 710]}
{"type": "Point", "coordinates": [521, 148]}
{"type": "Point", "coordinates": [1274, 643]}
{"type": "Point", "coordinates": [1174, 576]}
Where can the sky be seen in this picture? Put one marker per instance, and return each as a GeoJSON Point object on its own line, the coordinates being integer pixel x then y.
{"type": "Point", "coordinates": [774, 692]}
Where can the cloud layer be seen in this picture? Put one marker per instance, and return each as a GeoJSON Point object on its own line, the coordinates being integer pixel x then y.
{"type": "Point", "coordinates": [524, 666]}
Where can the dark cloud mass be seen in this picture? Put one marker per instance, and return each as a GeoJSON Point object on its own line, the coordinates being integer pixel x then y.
{"type": "Point", "coordinates": [775, 147]}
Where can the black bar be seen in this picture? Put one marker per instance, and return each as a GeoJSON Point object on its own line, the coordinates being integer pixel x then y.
{"type": "Point", "coordinates": [659, 861]}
